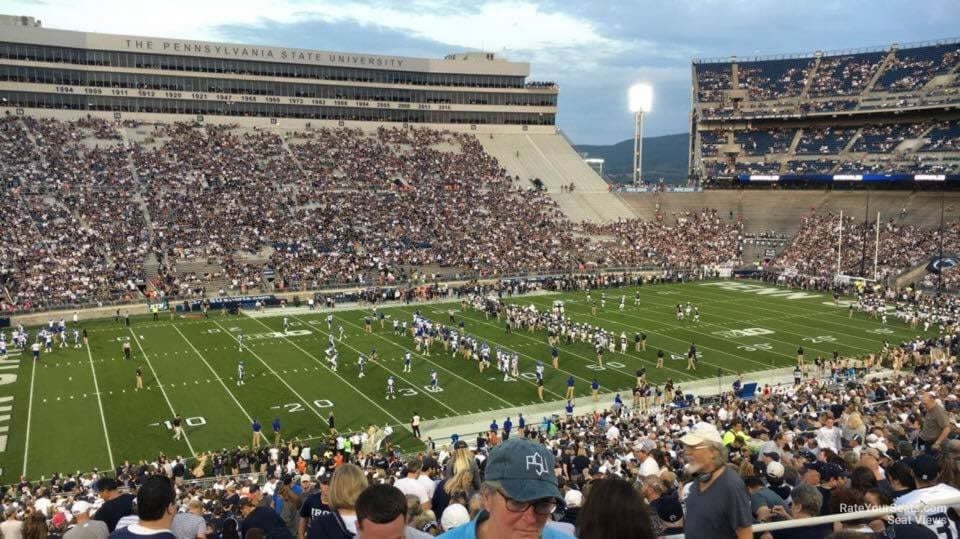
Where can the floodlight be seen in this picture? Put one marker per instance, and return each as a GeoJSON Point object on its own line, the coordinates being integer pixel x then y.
{"type": "Point", "coordinates": [640, 97]}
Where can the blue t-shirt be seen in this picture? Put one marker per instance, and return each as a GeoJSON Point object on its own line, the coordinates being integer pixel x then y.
{"type": "Point", "coordinates": [570, 382]}
{"type": "Point", "coordinates": [469, 530]}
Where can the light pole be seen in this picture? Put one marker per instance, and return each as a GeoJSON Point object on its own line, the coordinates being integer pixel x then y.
{"type": "Point", "coordinates": [640, 97]}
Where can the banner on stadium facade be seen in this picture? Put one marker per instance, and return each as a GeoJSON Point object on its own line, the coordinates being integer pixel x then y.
{"type": "Point", "coordinates": [769, 252]}
{"type": "Point", "coordinates": [160, 305]}
{"type": "Point", "coordinates": [246, 302]}
{"type": "Point", "coordinates": [938, 264]}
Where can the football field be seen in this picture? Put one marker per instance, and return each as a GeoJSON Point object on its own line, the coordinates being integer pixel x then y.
{"type": "Point", "coordinates": [78, 409]}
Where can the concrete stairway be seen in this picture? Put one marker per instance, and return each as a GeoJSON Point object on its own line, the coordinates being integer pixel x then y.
{"type": "Point", "coordinates": [551, 159]}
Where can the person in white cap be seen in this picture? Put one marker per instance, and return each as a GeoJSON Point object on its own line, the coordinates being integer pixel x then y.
{"type": "Point", "coordinates": [454, 515]}
{"type": "Point", "coordinates": [83, 527]}
{"type": "Point", "coordinates": [718, 505]}
{"type": "Point", "coordinates": [643, 450]}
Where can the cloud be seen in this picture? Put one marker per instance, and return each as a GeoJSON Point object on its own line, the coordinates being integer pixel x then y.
{"type": "Point", "coordinates": [594, 50]}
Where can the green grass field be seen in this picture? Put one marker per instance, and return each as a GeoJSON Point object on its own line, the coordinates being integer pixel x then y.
{"type": "Point", "coordinates": [77, 409]}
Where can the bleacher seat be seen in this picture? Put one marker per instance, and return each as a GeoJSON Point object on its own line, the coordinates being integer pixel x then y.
{"type": "Point", "coordinates": [749, 391]}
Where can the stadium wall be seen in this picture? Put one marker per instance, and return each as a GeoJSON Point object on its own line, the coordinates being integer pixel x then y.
{"type": "Point", "coordinates": [275, 123]}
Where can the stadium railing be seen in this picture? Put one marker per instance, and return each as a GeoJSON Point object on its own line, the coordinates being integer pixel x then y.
{"type": "Point", "coordinates": [329, 286]}
{"type": "Point", "coordinates": [844, 517]}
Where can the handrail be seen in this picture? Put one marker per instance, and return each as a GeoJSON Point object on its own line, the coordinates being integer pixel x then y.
{"type": "Point", "coordinates": [842, 517]}
{"type": "Point", "coordinates": [838, 52]}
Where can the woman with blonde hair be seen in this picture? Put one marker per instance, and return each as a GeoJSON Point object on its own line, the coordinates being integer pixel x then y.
{"type": "Point", "coordinates": [456, 489]}
{"type": "Point", "coordinates": [853, 425]}
{"type": "Point", "coordinates": [347, 483]}
{"type": "Point", "coordinates": [462, 459]}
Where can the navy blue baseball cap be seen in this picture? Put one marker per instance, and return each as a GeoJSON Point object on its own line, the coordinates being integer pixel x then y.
{"type": "Point", "coordinates": [524, 470]}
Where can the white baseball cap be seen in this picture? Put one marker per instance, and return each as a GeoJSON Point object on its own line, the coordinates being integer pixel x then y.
{"type": "Point", "coordinates": [702, 432]}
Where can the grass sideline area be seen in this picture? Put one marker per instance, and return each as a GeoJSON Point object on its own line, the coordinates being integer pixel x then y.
{"type": "Point", "coordinates": [77, 409]}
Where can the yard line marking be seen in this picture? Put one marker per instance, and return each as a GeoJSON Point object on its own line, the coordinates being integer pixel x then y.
{"type": "Point", "coordinates": [393, 373]}
{"type": "Point", "coordinates": [282, 381]}
{"type": "Point", "coordinates": [308, 354]}
{"type": "Point", "coordinates": [204, 360]}
{"type": "Point", "coordinates": [103, 418]}
{"type": "Point", "coordinates": [652, 332]}
{"type": "Point", "coordinates": [435, 364]}
{"type": "Point", "coordinates": [26, 444]}
{"type": "Point", "coordinates": [165, 397]}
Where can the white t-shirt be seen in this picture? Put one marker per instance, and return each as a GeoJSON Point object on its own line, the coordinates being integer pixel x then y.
{"type": "Point", "coordinates": [428, 485]}
{"type": "Point", "coordinates": [933, 517]}
{"type": "Point", "coordinates": [412, 486]}
{"type": "Point", "coordinates": [829, 437]}
{"type": "Point", "coordinates": [649, 466]}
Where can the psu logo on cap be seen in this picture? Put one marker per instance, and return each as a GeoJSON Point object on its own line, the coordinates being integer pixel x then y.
{"type": "Point", "coordinates": [942, 263]}
{"type": "Point", "coordinates": [536, 461]}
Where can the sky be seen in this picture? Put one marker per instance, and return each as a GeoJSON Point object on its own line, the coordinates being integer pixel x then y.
{"type": "Point", "coordinates": [593, 50]}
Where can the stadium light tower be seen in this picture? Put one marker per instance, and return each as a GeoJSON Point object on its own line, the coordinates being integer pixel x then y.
{"type": "Point", "coordinates": [640, 99]}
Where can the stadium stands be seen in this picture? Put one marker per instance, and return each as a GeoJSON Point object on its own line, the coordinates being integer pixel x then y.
{"type": "Point", "coordinates": [844, 75]}
{"type": "Point", "coordinates": [910, 69]}
{"type": "Point", "coordinates": [711, 80]}
{"type": "Point", "coordinates": [774, 79]}
{"type": "Point", "coordinates": [944, 137]}
{"type": "Point", "coordinates": [848, 107]}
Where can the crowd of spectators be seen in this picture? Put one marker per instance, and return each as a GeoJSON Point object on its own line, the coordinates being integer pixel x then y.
{"type": "Point", "coordinates": [695, 239]}
{"type": "Point", "coordinates": [105, 212]}
{"type": "Point", "coordinates": [813, 252]}
{"type": "Point", "coordinates": [844, 75]}
{"type": "Point", "coordinates": [824, 446]}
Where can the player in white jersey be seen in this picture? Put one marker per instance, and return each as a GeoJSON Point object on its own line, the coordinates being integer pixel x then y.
{"type": "Point", "coordinates": [340, 329]}
{"type": "Point", "coordinates": [48, 341]}
{"type": "Point", "coordinates": [636, 299]}
{"type": "Point", "coordinates": [696, 314]}
{"type": "Point", "coordinates": [240, 371]}
{"type": "Point", "coordinates": [240, 341]}
{"type": "Point", "coordinates": [3, 347]}
{"type": "Point", "coordinates": [434, 381]}
{"type": "Point", "coordinates": [686, 310]}
{"type": "Point", "coordinates": [623, 300]}
{"type": "Point", "coordinates": [329, 321]}
{"type": "Point", "coordinates": [390, 388]}
{"type": "Point", "coordinates": [539, 371]}
{"type": "Point", "coordinates": [361, 363]}
{"type": "Point", "coordinates": [623, 342]}
{"type": "Point", "coordinates": [515, 365]}
{"type": "Point", "coordinates": [333, 361]}
{"type": "Point", "coordinates": [407, 361]}
{"type": "Point", "coordinates": [679, 312]}
{"type": "Point", "coordinates": [76, 338]}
